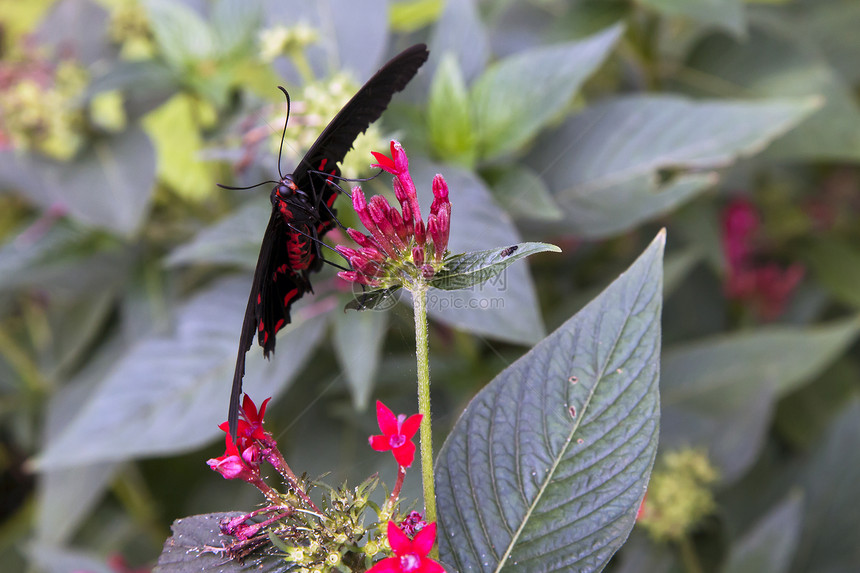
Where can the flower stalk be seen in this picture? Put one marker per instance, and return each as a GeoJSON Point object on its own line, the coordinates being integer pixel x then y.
{"type": "Point", "coordinates": [419, 306]}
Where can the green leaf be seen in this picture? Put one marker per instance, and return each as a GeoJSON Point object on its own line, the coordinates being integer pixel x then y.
{"type": "Point", "coordinates": [770, 546]}
{"type": "Point", "coordinates": [827, 542]}
{"type": "Point", "coordinates": [460, 31]}
{"type": "Point", "coordinates": [471, 269]}
{"type": "Point", "coordinates": [178, 140]}
{"type": "Point", "coordinates": [158, 397]}
{"type": "Point", "coordinates": [803, 416]}
{"type": "Point", "coordinates": [505, 308]}
{"type": "Point", "coordinates": [522, 193]}
{"type": "Point", "coordinates": [358, 338]}
{"type": "Point", "coordinates": [448, 121]}
{"type": "Point", "coordinates": [235, 24]}
{"type": "Point", "coordinates": [836, 266]}
{"type": "Point", "coordinates": [233, 240]}
{"type": "Point", "coordinates": [183, 37]}
{"type": "Point", "coordinates": [627, 159]}
{"type": "Point", "coordinates": [545, 469]}
{"type": "Point", "coordinates": [778, 61]}
{"type": "Point", "coordinates": [518, 96]}
{"type": "Point", "coordinates": [109, 185]}
{"type": "Point", "coordinates": [719, 393]}
{"type": "Point", "coordinates": [411, 15]}
{"type": "Point", "coordinates": [728, 14]}
{"type": "Point", "coordinates": [185, 551]}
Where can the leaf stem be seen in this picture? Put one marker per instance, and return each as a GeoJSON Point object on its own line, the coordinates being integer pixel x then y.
{"type": "Point", "coordinates": [688, 555]}
{"type": "Point", "coordinates": [419, 308]}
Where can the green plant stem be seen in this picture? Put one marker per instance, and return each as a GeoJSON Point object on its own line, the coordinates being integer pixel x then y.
{"type": "Point", "coordinates": [688, 555]}
{"type": "Point", "coordinates": [419, 308]}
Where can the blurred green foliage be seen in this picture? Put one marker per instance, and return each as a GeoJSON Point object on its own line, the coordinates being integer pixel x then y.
{"type": "Point", "coordinates": [124, 270]}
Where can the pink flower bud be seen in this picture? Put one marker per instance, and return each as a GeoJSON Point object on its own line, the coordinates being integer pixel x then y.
{"type": "Point", "coordinates": [418, 255]}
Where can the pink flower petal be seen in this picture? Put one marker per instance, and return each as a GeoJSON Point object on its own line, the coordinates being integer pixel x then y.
{"type": "Point", "coordinates": [386, 419]}
{"type": "Point", "coordinates": [404, 454]}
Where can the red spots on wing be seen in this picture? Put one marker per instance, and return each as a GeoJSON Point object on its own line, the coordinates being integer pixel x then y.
{"type": "Point", "coordinates": [283, 268]}
{"type": "Point", "coordinates": [279, 325]}
{"type": "Point", "coordinates": [262, 326]}
{"type": "Point", "coordinates": [265, 337]}
{"type": "Point", "coordinates": [289, 297]}
{"type": "Point", "coordinates": [322, 163]}
{"type": "Point", "coordinates": [259, 298]}
{"type": "Point", "coordinates": [330, 201]}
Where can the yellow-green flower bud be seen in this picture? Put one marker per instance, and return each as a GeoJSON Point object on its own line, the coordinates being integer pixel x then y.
{"type": "Point", "coordinates": [679, 495]}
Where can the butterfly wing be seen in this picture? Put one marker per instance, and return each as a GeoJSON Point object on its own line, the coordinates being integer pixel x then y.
{"type": "Point", "coordinates": [276, 285]}
{"type": "Point", "coordinates": [364, 108]}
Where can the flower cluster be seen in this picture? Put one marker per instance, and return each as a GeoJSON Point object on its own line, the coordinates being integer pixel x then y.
{"type": "Point", "coordinates": [325, 539]}
{"type": "Point", "coordinates": [766, 286]}
{"type": "Point", "coordinates": [400, 248]}
{"type": "Point", "coordinates": [37, 105]}
{"type": "Point", "coordinates": [679, 495]}
{"type": "Point", "coordinates": [242, 457]}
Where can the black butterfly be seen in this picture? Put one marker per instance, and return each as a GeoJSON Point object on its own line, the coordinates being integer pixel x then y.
{"type": "Point", "coordinates": [302, 213]}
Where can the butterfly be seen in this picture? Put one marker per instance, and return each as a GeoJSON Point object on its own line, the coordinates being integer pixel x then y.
{"type": "Point", "coordinates": [302, 212]}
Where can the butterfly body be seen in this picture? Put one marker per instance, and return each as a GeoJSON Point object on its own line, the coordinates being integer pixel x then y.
{"type": "Point", "coordinates": [303, 211]}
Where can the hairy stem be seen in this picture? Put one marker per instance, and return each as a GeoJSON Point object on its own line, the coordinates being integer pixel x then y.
{"type": "Point", "coordinates": [419, 307]}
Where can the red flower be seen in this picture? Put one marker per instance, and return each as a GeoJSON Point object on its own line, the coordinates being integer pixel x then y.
{"type": "Point", "coordinates": [410, 555]}
{"type": "Point", "coordinates": [244, 465]}
{"type": "Point", "coordinates": [397, 434]}
{"type": "Point", "coordinates": [765, 286]}
{"type": "Point", "coordinates": [250, 426]}
{"type": "Point", "coordinates": [400, 237]}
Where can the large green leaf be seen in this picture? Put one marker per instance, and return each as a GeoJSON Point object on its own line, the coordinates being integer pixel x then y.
{"type": "Point", "coordinates": [719, 393]}
{"type": "Point", "coordinates": [770, 546]}
{"type": "Point", "coordinates": [828, 542]}
{"type": "Point", "coordinates": [233, 240]}
{"type": "Point", "coordinates": [728, 14]}
{"type": "Point", "coordinates": [162, 395]}
{"type": "Point", "coordinates": [522, 193]}
{"type": "Point", "coordinates": [547, 466]}
{"type": "Point", "coordinates": [108, 186]}
{"type": "Point", "coordinates": [625, 160]}
{"type": "Point", "coordinates": [184, 551]}
{"type": "Point", "coordinates": [357, 339]}
{"type": "Point", "coordinates": [183, 37]}
{"type": "Point", "coordinates": [518, 96]}
{"type": "Point", "coordinates": [777, 60]}
{"type": "Point", "coordinates": [459, 31]}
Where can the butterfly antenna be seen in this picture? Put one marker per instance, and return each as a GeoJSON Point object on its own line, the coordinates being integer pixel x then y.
{"type": "Point", "coordinates": [284, 132]}
{"type": "Point", "coordinates": [245, 188]}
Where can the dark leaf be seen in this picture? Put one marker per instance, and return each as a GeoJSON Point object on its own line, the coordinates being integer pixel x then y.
{"type": "Point", "coordinates": [518, 96]}
{"type": "Point", "coordinates": [827, 542]}
{"type": "Point", "coordinates": [771, 544]}
{"type": "Point", "coordinates": [603, 166]}
{"type": "Point", "coordinates": [719, 393]}
{"type": "Point", "coordinates": [547, 466]}
{"type": "Point", "coordinates": [186, 550]}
